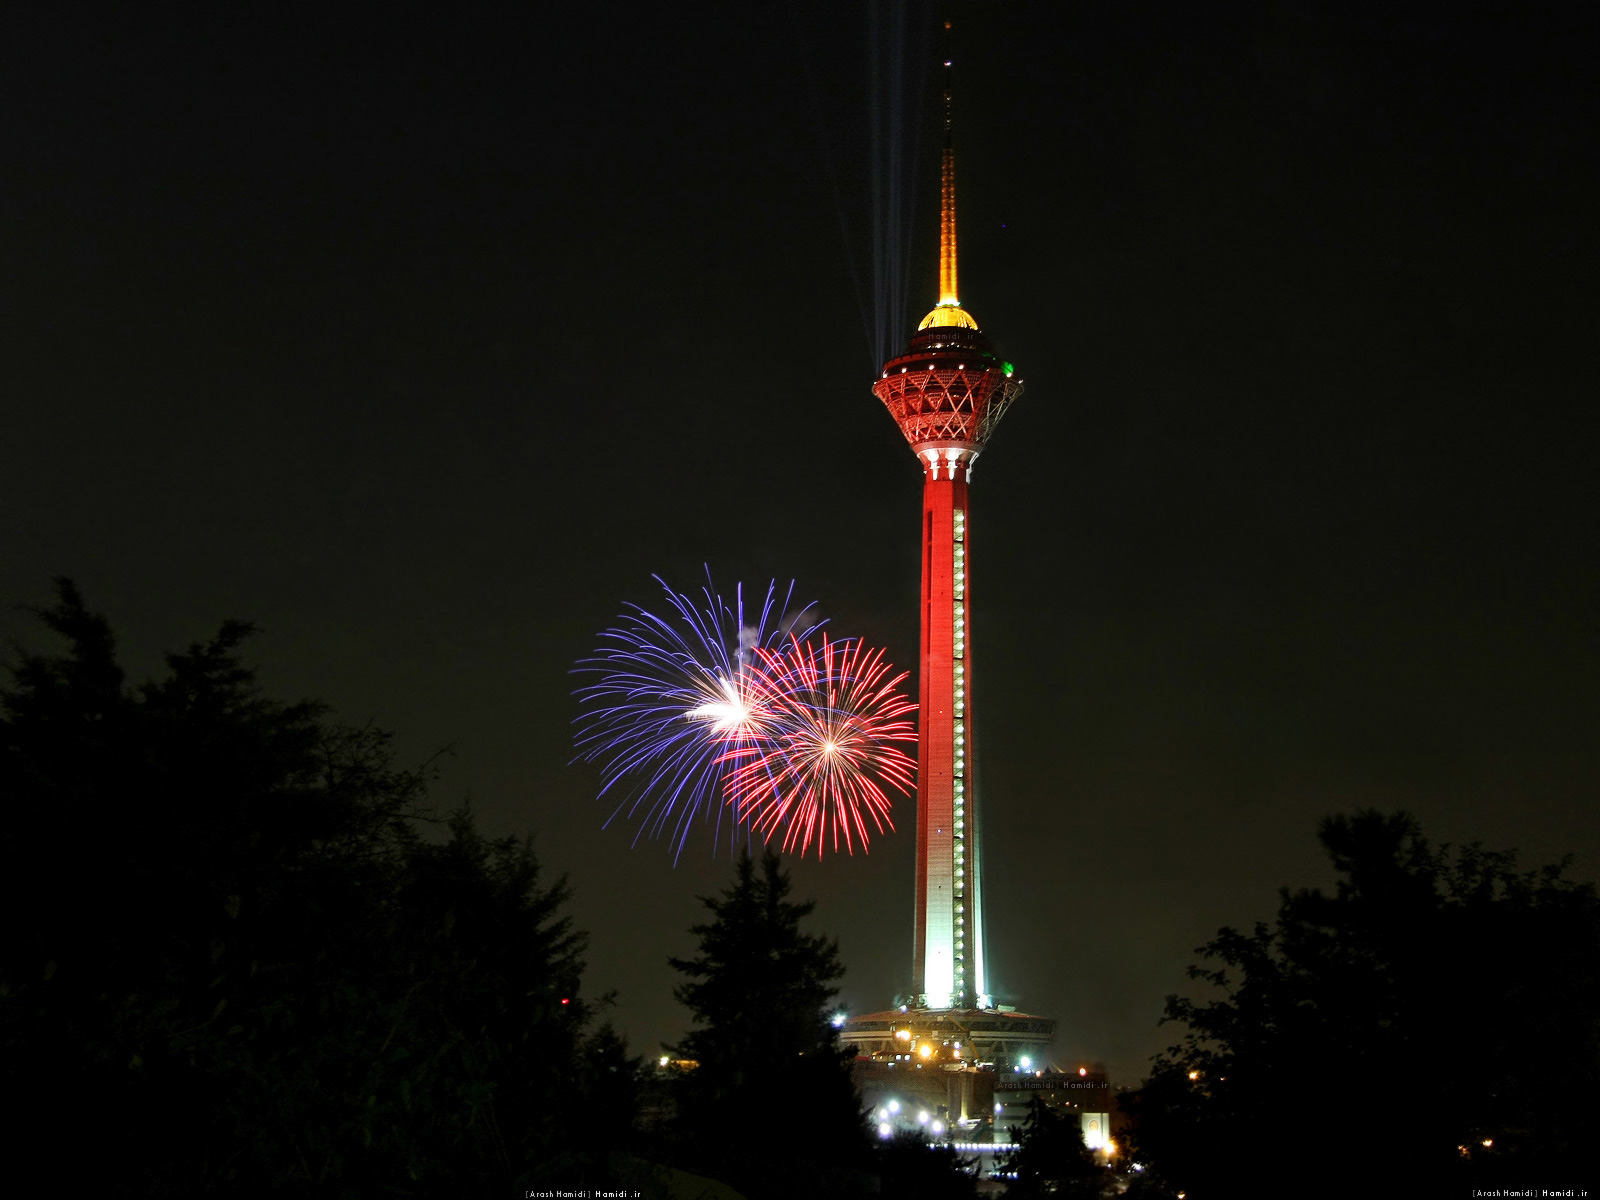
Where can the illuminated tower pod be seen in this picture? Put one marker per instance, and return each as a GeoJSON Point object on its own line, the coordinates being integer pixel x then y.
{"type": "Point", "coordinates": [947, 392]}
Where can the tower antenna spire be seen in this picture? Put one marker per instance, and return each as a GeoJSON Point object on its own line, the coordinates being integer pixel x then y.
{"type": "Point", "coordinates": [949, 293]}
{"type": "Point", "coordinates": [948, 312]}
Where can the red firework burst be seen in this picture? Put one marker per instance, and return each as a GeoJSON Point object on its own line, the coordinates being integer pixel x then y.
{"type": "Point", "coordinates": [836, 724]}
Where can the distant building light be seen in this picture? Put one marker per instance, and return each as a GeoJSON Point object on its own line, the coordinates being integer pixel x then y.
{"type": "Point", "coordinates": [883, 1129]}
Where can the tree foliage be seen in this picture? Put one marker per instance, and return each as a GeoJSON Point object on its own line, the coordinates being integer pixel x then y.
{"type": "Point", "coordinates": [1051, 1158]}
{"type": "Point", "coordinates": [1433, 1021]}
{"type": "Point", "coordinates": [771, 1107]}
{"type": "Point", "coordinates": [245, 955]}
{"type": "Point", "coordinates": [910, 1167]}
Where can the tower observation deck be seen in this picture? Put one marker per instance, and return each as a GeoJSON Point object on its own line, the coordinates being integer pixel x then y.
{"type": "Point", "coordinates": [947, 392]}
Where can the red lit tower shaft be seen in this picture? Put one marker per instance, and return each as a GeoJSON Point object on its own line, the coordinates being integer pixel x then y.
{"type": "Point", "coordinates": [947, 941]}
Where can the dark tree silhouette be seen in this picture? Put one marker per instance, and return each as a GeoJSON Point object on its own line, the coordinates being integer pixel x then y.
{"type": "Point", "coordinates": [1051, 1158]}
{"type": "Point", "coordinates": [1433, 1023]}
{"type": "Point", "coordinates": [910, 1168]}
{"type": "Point", "coordinates": [771, 1107]}
{"type": "Point", "coordinates": [243, 956]}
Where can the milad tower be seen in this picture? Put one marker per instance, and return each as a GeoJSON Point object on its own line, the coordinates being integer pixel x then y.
{"type": "Point", "coordinates": [947, 392]}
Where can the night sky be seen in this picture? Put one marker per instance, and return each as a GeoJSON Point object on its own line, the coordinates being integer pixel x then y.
{"type": "Point", "coordinates": [425, 340]}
